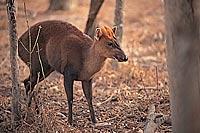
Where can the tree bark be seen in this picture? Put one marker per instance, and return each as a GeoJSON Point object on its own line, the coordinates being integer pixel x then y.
{"type": "Point", "coordinates": [16, 112]}
{"type": "Point", "coordinates": [95, 6]}
{"type": "Point", "coordinates": [183, 58]}
{"type": "Point", "coordinates": [60, 4]}
{"type": "Point", "coordinates": [118, 20]}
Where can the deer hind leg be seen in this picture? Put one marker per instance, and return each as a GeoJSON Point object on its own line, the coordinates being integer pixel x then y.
{"type": "Point", "coordinates": [69, 77]}
{"type": "Point", "coordinates": [36, 77]}
{"type": "Point", "coordinates": [29, 83]}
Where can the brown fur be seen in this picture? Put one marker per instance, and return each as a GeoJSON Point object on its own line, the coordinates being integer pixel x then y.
{"type": "Point", "coordinates": [53, 49]}
{"type": "Point", "coordinates": [108, 32]}
{"type": "Point", "coordinates": [55, 52]}
{"type": "Point", "coordinates": [67, 50]}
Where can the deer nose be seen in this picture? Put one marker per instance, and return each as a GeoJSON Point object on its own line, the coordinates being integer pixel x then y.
{"type": "Point", "coordinates": [125, 58]}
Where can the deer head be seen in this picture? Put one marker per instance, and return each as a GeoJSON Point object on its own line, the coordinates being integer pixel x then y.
{"type": "Point", "coordinates": [107, 44]}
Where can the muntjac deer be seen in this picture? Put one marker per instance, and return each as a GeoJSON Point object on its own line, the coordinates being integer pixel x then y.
{"type": "Point", "coordinates": [67, 50]}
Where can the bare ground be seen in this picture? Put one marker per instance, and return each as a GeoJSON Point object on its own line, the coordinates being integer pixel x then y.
{"type": "Point", "coordinates": [121, 97]}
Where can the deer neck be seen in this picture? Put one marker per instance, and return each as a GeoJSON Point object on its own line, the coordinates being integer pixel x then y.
{"type": "Point", "coordinates": [93, 61]}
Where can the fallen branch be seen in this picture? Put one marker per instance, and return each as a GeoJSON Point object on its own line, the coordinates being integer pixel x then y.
{"type": "Point", "coordinates": [103, 124]}
{"type": "Point", "coordinates": [107, 100]}
{"type": "Point", "coordinates": [154, 120]}
{"type": "Point", "coordinates": [141, 87]}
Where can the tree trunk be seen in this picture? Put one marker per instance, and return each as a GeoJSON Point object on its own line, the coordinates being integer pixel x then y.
{"type": "Point", "coordinates": [60, 4]}
{"type": "Point", "coordinates": [16, 114]}
{"type": "Point", "coordinates": [95, 6]}
{"type": "Point", "coordinates": [183, 58]}
{"type": "Point", "coordinates": [118, 20]}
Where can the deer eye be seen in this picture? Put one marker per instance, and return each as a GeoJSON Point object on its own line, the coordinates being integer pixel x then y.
{"type": "Point", "coordinates": [110, 44]}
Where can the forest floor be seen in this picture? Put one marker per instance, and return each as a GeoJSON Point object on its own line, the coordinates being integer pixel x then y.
{"type": "Point", "coordinates": [122, 98]}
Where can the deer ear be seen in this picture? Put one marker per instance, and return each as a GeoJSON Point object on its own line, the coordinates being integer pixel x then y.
{"type": "Point", "coordinates": [114, 29]}
{"type": "Point", "coordinates": [98, 33]}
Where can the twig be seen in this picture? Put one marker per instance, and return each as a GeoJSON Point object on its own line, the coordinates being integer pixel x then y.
{"type": "Point", "coordinates": [104, 124]}
{"type": "Point", "coordinates": [141, 87]}
{"type": "Point", "coordinates": [154, 120]}
{"type": "Point", "coordinates": [23, 46]}
{"type": "Point", "coordinates": [42, 69]}
{"type": "Point", "coordinates": [37, 37]}
{"type": "Point", "coordinates": [29, 35]}
{"type": "Point", "coordinates": [4, 60]}
{"type": "Point", "coordinates": [24, 122]}
{"type": "Point", "coordinates": [34, 93]}
{"type": "Point", "coordinates": [38, 51]}
{"type": "Point", "coordinates": [31, 94]}
{"type": "Point", "coordinates": [107, 100]}
{"type": "Point", "coordinates": [157, 80]}
{"type": "Point", "coordinates": [31, 50]}
{"type": "Point", "coordinates": [110, 119]}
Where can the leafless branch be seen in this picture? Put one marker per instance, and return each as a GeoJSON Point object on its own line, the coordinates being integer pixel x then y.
{"type": "Point", "coordinates": [23, 46]}
{"type": "Point", "coordinates": [38, 51]}
{"type": "Point", "coordinates": [36, 40]}
{"type": "Point", "coordinates": [157, 80]}
{"type": "Point", "coordinates": [154, 120]}
{"type": "Point", "coordinates": [107, 100]}
{"type": "Point", "coordinates": [30, 47]}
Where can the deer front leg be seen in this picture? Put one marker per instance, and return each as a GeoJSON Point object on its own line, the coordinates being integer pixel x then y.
{"type": "Point", "coordinates": [87, 89]}
{"type": "Point", "coordinates": [68, 83]}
